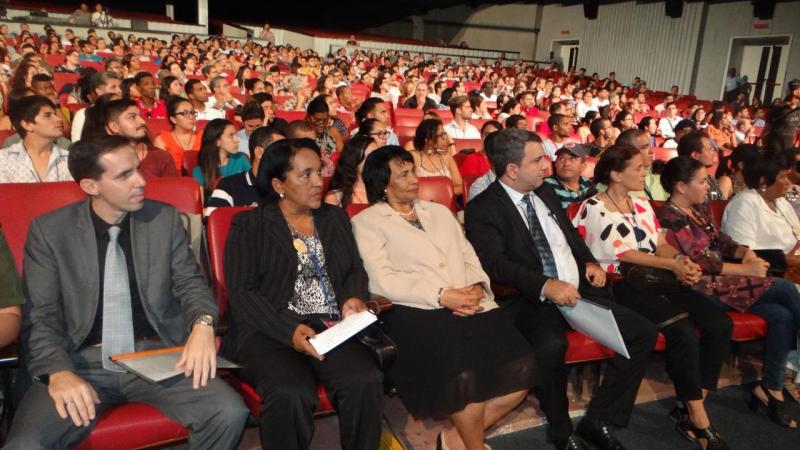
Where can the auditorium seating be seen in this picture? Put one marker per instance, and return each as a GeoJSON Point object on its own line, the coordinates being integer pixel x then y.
{"type": "Point", "coordinates": [664, 154]}
{"type": "Point", "coordinates": [291, 116]}
{"type": "Point", "coordinates": [156, 126]}
{"type": "Point", "coordinates": [189, 162]}
{"type": "Point", "coordinates": [218, 227]}
{"type": "Point", "coordinates": [131, 425]}
{"type": "Point", "coordinates": [439, 190]}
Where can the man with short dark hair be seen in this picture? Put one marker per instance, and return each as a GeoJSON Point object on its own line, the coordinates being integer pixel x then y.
{"type": "Point", "coordinates": [150, 106]}
{"type": "Point", "coordinates": [599, 129]}
{"type": "Point", "coordinates": [525, 241]}
{"type": "Point", "coordinates": [568, 184]}
{"type": "Point", "coordinates": [36, 157]}
{"type": "Point", "coordinates": [560, 129]}
{"type": "Point", "coordinates": [697, 145]}
{"type": "Point", "coordinates": [375, 108]}
{"type": "Point", "coordinates": [527, 101]}
{"type": "Point", "coordinates": [120, 273]}
{"type": "Point", "coordinates": [240, 189]}
{"type": "Point", "coordinates": [667, 124]}
{"type": "Point", "coordinates": [197, 94]}
{"type": "Point", "coordinates": [681, 129]}
{"type": "Point", "coordinates": [460, 128]}
{"type": "Point", "coordinates": [252, 118]}
{"type": "Point", "coordinates": [124, 119]}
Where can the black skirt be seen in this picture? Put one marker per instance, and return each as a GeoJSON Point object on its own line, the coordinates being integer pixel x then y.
{"type": "Point", "coordinates": [445, 362]}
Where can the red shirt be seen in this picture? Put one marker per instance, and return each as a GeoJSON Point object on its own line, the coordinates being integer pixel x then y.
{"type": "Point", "coordinates": [158, 111]}
{"type": "Point", "coordinates": [529, 112]}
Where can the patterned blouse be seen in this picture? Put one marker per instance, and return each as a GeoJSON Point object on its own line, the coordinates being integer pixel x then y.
{"type": "Point", "coordinates": [707, 246]}
{"type": "Point", "coordinates": [327, 147]}
{"type": "Point", "coordinates": [313, 291]}
{"type": "Point", "coordinates": [610, 234]}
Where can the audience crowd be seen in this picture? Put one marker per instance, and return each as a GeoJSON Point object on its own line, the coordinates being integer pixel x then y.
{"type": "Point", "coordinates": [569, 188]}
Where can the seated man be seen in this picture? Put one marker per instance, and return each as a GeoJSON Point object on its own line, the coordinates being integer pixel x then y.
{"type": "Point", "coordinates": [36, 158]}
{"type": "Point", "coordinates": [697, 145]}
{"type": "Point", "coordinates": [525, 241]}
{"type": "Point", "coordinates": [240, 189]}
{"type": "Point", "coordinates": [568, 183]}
{"type": "Point", "coordinates": [560, 129]}
{"type": "Point", "coordinates": [10, 295]}
{"type": "Point", "coordinates": [149, 106]}
{"type": "Point", "coordinates": [681, 129]}
{"type": "Point", "coordinates": [120, 273]}
{"type": "Point", "coordinates": [252, 118]}
{"type": "Point", "coordinates": [459, 128]}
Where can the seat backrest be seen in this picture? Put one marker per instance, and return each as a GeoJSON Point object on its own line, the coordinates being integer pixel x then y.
{"type": "Point", "coordinates": [190, 161]}
{"type": "Point", "coordinates": [181, 192]}
{"type": "Point", "coordinates": [291, 116]}
{"type": "Point", "coordinates": [217, 229]}
{"type": "Point", "coordinates": [439, 190]}
{"type": "Point", "coordinates": [61, 79]}
{"type": "Point", "coordinates": [462, 144]}
{"type": "Point", "coordinates": [156, 126]}
{"type": "Point", "coordinates": [407, 121]}
{"type": "Point", "coordinates": [31, 200]}
{"type": "Point", "coordinates": [355, 208]}
{"type": "Point", "coordinates": [664, 154]}
{"type": "Point", "coordinates": [5, 134]}
{"type": "Point", "coordinates": [409, 112]}
{"type": "Point", "coordinates": [717, 208]}
{"type": "Point", "coordinates": [466, 183]}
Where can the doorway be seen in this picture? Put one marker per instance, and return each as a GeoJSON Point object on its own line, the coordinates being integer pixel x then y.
{"type": "Point", "coordinates": [764, 61]}
{"type": "Point", "coordinates": [566, 51]}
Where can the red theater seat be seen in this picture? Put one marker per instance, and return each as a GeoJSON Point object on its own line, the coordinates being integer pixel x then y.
{"type": "Point", "coordinates": [407, 121]}
{"type": "Point", "coordinates": [291, 116]}
{"type": "Point", "coordinates": [62, 79]}
{"type": "Point", "coordinates": [355, 208]}
{"type": "Point", "coordinates": [664, 154]}
{"type": "Point", "coordinates": [189, 162]}
{"type": "Point", "coordinates": [439, 190]}
{"type": "Point", "coordinates": [5, 134]}
{"type": "Point", "coordinates": [218, 227]}
{"type": "Point", "coordinates": [131, 425]}
{"type": "Point", "coordinates": [475, 144]}
{"type": "Point", "coordinates": [156, 126]}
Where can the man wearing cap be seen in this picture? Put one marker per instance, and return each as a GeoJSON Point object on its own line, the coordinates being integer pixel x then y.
{"type": "Point", "coordinates": [784, 120]}
{"type": "Point", "coordinates": [568, 183]}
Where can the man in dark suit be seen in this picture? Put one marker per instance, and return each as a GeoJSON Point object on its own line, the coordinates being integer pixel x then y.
{"type": "Point", "coordinates": [525, 241]}
{"type": "Point", "coordinates": [109, 275]}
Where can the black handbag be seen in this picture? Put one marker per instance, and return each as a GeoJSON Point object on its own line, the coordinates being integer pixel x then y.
{"type": "Point", "coordinates": [776, 259]}
{"type": "Point", "coordinates": [650, 279]}
{"type": "Point", "coordinates": [380, 345]}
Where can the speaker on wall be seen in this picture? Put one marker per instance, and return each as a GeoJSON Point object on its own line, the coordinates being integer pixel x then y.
{"type": "Point", "coordinates": [764, 9]}
{"type": "Point", "coordinates": [590, 8]}
{"type": "Point", "coordinates": [673, 8]}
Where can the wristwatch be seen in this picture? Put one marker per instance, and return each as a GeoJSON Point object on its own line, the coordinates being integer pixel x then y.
{"type": "Point", "coordinates": [205, 320]}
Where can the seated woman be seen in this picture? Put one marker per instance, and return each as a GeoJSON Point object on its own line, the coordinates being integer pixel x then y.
{"type": "Point", "coordinates": [730, 172]}
{"type": "Point", "coordinates": [375, 129]}
{"type": "Point", "coordinates": [760, 217]}
{"type": "Point", "coordinates": [430, 154]}
{"type": "Point", "coordinates": [291, 265]}
{"type": "Point", "coordinates": [328, 138]}
{"type": "Point", "coordinates": [740, 286]}
{"type": "Point", "coordinates": [219, 155]}
{"type": "Point", "coordinates": [621, 229]}
{"type": "Point", "coordinates": [183, 118]}
{"type": "Point", "coordinates": [457, 355]}
{"type": "Point", "coordinates": [346, 186]}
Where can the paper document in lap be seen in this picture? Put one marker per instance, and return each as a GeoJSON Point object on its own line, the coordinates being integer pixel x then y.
{"type": "Point", "coordinates": [597, 322]}
{"type": "Point", "coordinates": [159, 365]}
{"type": "Point", "coordinates": [342, 331]}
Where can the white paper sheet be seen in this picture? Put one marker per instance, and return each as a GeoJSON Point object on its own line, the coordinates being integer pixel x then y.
{"type": "Point", "coordinates": [597, 322]}
{"type": "Point", "coordinates": [342, 331]}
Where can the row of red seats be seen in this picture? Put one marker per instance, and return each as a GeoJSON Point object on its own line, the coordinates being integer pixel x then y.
{"type": "Point", "coordinates": [139, 425]}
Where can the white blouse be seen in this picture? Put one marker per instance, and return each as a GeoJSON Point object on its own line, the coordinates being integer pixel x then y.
{"type": "Point", "coordinates": [749, 221]}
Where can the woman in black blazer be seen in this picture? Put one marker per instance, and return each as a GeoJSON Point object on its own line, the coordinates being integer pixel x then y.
{"type": "Point", "coordinates": [292, 268]}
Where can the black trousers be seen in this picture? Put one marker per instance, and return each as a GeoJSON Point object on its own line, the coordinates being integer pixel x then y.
{"type": "Point", "coordinates": [287, 383]}
{"type": "Point", "coordinates": [545, 328]}
{"type": "Point", "coordinates": [693, 362]}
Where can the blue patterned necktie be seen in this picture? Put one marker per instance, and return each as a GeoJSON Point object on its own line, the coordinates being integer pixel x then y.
{"type": "Point", "coordinates": [549, 268]}
{"type": "Point", "coordinates": [117, 315]}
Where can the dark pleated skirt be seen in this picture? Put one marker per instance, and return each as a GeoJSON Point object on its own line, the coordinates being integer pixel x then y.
{"type": "Point", "coordinates": [445, 362]}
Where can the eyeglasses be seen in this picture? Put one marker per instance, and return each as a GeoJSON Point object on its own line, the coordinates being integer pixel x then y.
{"type": "Point", "coordinates": [188, 113]}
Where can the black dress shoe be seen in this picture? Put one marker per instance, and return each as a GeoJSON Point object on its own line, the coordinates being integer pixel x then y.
{"type": "Point", "coordinates": [571, 443]}
{"type": "Point", "coordinates": [598, 434]}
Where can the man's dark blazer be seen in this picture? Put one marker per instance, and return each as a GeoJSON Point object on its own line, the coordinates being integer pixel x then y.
{"type": "Point", "coordinates": [506, 249]}
{"type": "Point", "coordinates": [261, 269]}
{"type": "Point", "coordinates": [62, 281]}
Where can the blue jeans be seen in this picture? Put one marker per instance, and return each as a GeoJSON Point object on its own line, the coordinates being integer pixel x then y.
{"type": "Point", "coordinates": [780, 307]}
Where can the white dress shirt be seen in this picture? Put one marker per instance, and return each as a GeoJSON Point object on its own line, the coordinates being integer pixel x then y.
{"type": "Point", "coordinates": [751, 222]}
{"type": "Point", "coordinates": [16, 165]}
{"type": "Point", "coordinates": [210, 114]}
{"type": "Point", "coordinates": [667, 126]}
{"type": "Point", "coordinates": [468, 132]}
{"type": "Point", "coordinates": [562, 253]}
{"type": "Point", "coordinates": [550, 148]}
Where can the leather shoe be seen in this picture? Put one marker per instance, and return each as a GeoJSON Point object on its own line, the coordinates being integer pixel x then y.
{"type": "Point", "coordinates": [571, 443]}
{"type": "Point", "coordinates": [598, 434]}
